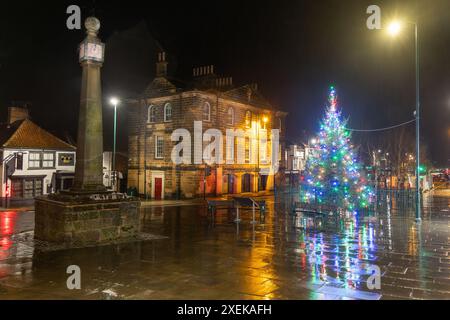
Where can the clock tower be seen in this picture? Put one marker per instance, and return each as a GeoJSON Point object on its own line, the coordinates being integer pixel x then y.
{"type": "Point", "coordinates": [89, 165]}
{"type": "Point", "coordinates": [76, 218]}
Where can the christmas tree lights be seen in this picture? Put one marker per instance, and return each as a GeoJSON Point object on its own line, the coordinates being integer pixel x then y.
{"type": "Point", "coordinates": [333, 174]}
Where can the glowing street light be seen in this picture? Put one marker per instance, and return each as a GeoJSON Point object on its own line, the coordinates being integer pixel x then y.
{"type": "Point", "coordinates": [114, 101]}
{"type": "Point", "coordinates": [394, 28]}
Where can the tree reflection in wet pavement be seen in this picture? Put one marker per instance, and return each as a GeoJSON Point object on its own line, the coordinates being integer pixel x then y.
{"type": "Point", "coordinates": [281, 257]}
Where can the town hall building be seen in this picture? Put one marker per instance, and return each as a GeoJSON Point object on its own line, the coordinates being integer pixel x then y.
{"type": "Point", "coordinates": [214, 102]}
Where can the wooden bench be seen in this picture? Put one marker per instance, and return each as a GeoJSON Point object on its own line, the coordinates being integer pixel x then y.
{"type": "Point", "coordinates": [213, 205]}
{"type": "Point", "coordinates": [250, 204]}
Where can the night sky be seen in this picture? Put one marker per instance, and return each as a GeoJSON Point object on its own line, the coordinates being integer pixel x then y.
{"type": "Point", "coordinates": [293, 49]}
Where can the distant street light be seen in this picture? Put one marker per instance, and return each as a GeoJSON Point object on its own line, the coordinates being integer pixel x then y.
{"type": "Point", "coordinates": [114, 101]}
{"type": "Point", "coordinates": [394, 28]}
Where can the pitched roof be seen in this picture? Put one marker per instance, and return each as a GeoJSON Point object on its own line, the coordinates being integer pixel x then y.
{"type": "Point", "coordinates": [247, 94]}
{"type": "Point", "coordinates": [161, 86]}
{"type": "Point", "coordinates": [27, 134]}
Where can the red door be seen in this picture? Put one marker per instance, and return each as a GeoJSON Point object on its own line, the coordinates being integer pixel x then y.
{"type": "Point", "coordinates": [158, 188]}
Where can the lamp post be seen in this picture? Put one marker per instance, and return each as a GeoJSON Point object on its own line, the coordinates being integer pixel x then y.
{"type": "Point", "coordinates": [394, 29]}
{"type": "Point", "coordinates": [264, 120]}
{"type": "Point", "coordinates": [114, 102]}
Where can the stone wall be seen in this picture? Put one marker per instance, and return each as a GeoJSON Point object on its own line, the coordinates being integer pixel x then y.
{"type": "Point", "coordinates": [86, 224]}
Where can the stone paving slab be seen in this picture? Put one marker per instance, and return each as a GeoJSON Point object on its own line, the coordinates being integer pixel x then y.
{"type": "Point", "coordinates": [193, 256]}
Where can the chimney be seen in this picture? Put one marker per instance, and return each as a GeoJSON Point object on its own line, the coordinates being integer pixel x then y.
{"type": "Point", "coordinates": [17, 113]}
{"type": "Point", "coordinates": [249, 94]}
{"type": "Point", "coordinates": [203, 71]}
{"type": "Point", "coordinates": [161, 65]}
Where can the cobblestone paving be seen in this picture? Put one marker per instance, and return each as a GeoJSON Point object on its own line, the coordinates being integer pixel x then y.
{"type": "Point", "coordinates": [205, 258]}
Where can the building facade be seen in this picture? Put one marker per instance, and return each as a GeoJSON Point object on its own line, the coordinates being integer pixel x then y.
{"type": "Point", "coordinates": [296, 157]}
{"type": "Point", "coordinates": [33, 162]}
{"type": "Point", "coordinates": [199, 107]}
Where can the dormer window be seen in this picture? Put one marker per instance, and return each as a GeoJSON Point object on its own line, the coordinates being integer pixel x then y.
{"type": "Point", "coordinates": [167, 112]}
{"type": "Point", "coordinates": [206, 112]}
{"type": "Point", "coordinates": [151, 114]}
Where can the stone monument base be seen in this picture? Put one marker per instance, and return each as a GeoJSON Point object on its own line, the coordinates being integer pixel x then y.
{"type": "Point", "coordinates": [85, 221]}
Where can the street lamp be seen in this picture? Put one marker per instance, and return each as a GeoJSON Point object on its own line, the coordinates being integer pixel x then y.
{"type": "Point", "coordinates": [394, 29]}
{"type": "Point", "coordinates": [114, 101]}
{"type": "Point", "coordinates": [264, 120]}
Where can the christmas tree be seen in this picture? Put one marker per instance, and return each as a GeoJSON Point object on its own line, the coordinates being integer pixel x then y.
{"type": "Point", "coordinates": [333, 175]}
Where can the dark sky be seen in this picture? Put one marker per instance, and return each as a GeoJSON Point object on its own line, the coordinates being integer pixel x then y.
{"type": "Point", "coordinates": [293, 49]}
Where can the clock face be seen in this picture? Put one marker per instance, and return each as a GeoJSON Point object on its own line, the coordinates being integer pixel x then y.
{"type": "Point", "coordinates": [91, 51]}
{"type": "Point", "coordinates": [95, 51]}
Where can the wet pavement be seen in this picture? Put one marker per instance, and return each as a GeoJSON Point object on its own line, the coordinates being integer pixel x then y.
{"type": "Point", "coordinates": [281, 257]}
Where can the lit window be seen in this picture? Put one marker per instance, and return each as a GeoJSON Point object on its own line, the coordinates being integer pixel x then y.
{"type": "Point", "coordinates": [34, 160]}
{"type": "Point", "coordinates": [206, 112]}
{"type": "Point", "coordinates": [247, 149]}
{"type": "Point", "coordinates": [159, 147]}
{"type": "Point", "coordinates": [48, 160]}
{"type": "Point", "coordinates": [168, 112]}
{"type": "Point", "coordinates": [151, 114]}
{"type": "Point", "coordinates": [248, 119]}
{"type": "Point", "coordinates": [230, 116]}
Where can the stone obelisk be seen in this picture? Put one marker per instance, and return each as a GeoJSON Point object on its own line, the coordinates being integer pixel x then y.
{"type": "Point", "coordinates": [88, 214]}
{"type": "Point", "coordinates": [89, 165]}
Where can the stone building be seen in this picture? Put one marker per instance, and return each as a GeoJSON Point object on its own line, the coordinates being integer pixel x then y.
{"type": "Point", "coordinates": [211, 102]}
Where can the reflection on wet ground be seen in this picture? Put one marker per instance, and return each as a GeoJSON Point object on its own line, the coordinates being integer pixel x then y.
{"type": "Point", "coordinates": [282, 257]}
